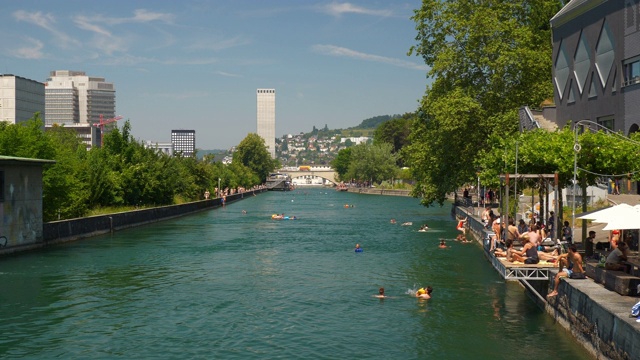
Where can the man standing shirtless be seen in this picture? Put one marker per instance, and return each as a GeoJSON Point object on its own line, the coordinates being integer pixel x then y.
{"type": "Point", "coordinates": [568, 263]}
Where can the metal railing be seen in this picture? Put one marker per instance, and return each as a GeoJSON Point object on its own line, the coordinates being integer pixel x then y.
{"type": "Point", "coordinates": [527, 121]}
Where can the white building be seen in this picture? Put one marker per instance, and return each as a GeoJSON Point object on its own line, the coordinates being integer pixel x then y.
{"type": "Point", "coordinates": [72, 97]}
{"type": "Point", "coordinates": [20, 98]}
{"type": "Point", "coordinates": [266, 115]}
{"type": "Point", "coordinates": [163, 147]}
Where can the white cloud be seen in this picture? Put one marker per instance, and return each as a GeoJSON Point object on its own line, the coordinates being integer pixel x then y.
{"type": "Point", "coordinates": [338, 51]}
{"type": "Point", "coordinates": [139, 16]}
{"type": "Point", "coordinates": [337, 9]}
{"type": "Point", "coordinates": [34, 51]}
{"type": "Point", "coordinates": [86, 23]}
{"type": "Point", "coordinates": [222, 73]}
{"type": "Point", "coordinates": [47, 22]}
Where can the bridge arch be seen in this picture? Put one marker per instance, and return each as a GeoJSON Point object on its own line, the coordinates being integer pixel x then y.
{"type": "Point", "coordinates": [325, 173]}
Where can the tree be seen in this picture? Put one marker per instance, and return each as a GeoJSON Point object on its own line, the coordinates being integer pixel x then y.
{"type": "Point", "coordinates": [341, 163]}
{"type": "Point", "coordinates": [487, 58]}
{"type": "Point", "coordinates": [252, 153]}
{"type": "Point", "coordinates": [372, 163]}
{"type": "Point", "coordinates": [395, 132]}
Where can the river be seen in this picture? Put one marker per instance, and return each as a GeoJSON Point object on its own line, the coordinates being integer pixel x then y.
{"type": "Point", "coordinates": [224, 284]}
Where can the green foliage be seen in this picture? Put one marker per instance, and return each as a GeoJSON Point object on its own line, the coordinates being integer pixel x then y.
{"type": "Point", "coordinates": [395, 132]}
{"type": "Point", "coordinates": [372, 163]}
{"type": "Point", "coordinates": [341, 163]}
{"type": "Point", "coordinates": [122, 174]}
{"type": "Point", "coordinates": [375, 121]}
{"type": "Point", "coordinates": [487, 58]}
{"type": "Point", "coordinates": [252, 153]}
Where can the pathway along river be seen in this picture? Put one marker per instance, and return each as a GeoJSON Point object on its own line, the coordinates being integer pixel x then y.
{"type": "Point", "coordinates": [227, 285]}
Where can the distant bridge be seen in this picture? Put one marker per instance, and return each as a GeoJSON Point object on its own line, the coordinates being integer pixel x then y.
{"type": "Point", "coordinates": [324, 172]}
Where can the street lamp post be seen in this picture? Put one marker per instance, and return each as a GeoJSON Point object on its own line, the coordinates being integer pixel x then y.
{"type": "Point", "coordinates": [219, 192]}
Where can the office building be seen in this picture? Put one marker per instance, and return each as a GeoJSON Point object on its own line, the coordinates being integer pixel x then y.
{"type": "Point", "coordinates": [72, 97]}
{"type": "Point", "coordinates": [20, 98]}
{"type": "Point", "coordinates": [266, 114]}
{"type": "Point", "coordinates": [184, 142]}
{"type": "Point", "coordinates": [596, 64]}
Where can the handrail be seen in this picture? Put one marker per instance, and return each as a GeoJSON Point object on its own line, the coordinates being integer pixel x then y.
{"type": "Point", "coordinates": [527, 121]}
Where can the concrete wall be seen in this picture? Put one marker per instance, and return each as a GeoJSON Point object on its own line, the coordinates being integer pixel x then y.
{"type": "Point", "coordinates": [21, 209]}
{"type": "Point", "coordinates": [74, 229]}
{"type": "Point", "coordinates": [598, 318]}
{"type": "Point", "coordinates": [375, 191]}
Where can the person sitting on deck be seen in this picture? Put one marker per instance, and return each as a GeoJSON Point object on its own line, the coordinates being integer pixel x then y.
{"type": "Point", "coordinates": [530, 251]}
{"type": "Point", "coordinates": [616, 257]}
{"type": "Point", "coordinates": [569, 264]}
{"type": "Point", "coordinates": [511, 254]}
{"type": "Point", "coordinates": [522, 227]}
{"type": "Point", "coordinates": [512, 231]}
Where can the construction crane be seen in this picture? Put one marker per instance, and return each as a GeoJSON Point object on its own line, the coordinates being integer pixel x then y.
{"type": "Point", "coordinates": [104, 122]}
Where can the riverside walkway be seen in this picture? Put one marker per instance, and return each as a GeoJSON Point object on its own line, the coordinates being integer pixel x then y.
{"type": "Point", "coordinates": [596, 316]}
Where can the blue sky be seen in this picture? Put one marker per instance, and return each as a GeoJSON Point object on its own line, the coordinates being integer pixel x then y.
{"type": "Point", "coordinates": [197, 64]}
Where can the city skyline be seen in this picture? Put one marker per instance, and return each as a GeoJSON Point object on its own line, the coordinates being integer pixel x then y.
{"type": "Point", "coordinates": [197, 64]}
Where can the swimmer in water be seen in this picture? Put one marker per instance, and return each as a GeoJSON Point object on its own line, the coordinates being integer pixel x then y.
{"type": "Point", "coordinates": [244, 212]}
{"type": "Point", "coordinates": [424, 293]}
{"type": "Point", "coordinates": [381, 294]}
{"type": "Point", "coordinates": [393, 221]}
{"type": "Point", "coordinates": [442, 245]}
{"type": "Point", "coordinates": [358, 248]}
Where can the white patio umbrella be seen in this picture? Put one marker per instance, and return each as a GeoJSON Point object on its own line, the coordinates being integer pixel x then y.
{"type": "Point", "coordinates": [607, 214]}
{"type": "Point", "coordinates": [630, 219]}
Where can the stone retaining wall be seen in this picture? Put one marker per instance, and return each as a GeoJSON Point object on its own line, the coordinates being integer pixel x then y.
{"type": "Point", "coordinates": [375, 191]}
{"type": "Point", "coordinates": [73, 229]}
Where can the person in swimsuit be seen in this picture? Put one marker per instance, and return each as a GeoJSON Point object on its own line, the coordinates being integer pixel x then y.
{"type": "Point", "coordinates": [569, 263]}
{"type": "Point", "coordinates": [359, 249]}
{"type": "Point", "coordinates": [442, 245]}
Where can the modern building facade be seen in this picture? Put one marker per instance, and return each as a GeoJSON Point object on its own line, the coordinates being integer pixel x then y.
{"type": "Point", "coordinates": [184, 142]}
{"type": "Point", "coordinates": [72, 97]}
{"type": "Point", "coordinates": [20, 98]}
{"type": "Point", "coordinates": [596, 63]}
{"type": "Point", "coordinates": [266, 115]}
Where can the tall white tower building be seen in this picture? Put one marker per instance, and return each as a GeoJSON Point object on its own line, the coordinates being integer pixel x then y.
{"type": "Point", "coordinates": [266, 114]}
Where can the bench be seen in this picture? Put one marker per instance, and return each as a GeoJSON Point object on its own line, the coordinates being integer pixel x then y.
{"type": "Point", "coordinates": [621, 282]}
{"type": "Point", "coordinates": [590, 270]}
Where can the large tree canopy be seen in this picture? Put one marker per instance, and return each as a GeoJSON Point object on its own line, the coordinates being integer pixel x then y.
{"type": "Point", "coordinates": [487, 58]}
{"type": "Point", "coordinates": [372, 163]}
{"type": "Point", "coordinates": [252, 153]}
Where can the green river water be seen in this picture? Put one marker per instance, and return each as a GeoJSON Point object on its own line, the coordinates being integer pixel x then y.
{"type": "Point", "coordinates": [226, 285]}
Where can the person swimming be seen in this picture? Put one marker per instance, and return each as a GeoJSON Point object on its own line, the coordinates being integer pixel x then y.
{"type": "Point", "coordinates": [358, 248]}
{"type": "Point", "coordinates": [442, 245]}
{"type": "Point", "coordinates": [424, 293]}
{"type": "Point", "coordinates": [423, 228]}
{"type": "Point", "coordinates": [381, 294]}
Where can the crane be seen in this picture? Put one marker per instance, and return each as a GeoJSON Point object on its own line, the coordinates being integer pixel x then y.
{"type": "Point", "coordinates": [104, 122]}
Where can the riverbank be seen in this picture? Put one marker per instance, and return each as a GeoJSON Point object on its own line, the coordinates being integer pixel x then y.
{"type": "Point", "coordinates": [598, 318]}
{"type": "Point", "coordinates": [57, 232]}
{"type": "Point", "coordinates": [376, 191]}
